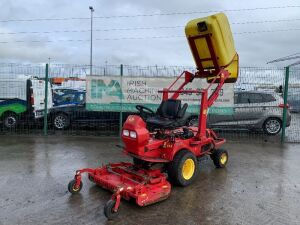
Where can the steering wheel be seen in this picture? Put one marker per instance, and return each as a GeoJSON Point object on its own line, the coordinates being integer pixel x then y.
{"type": "Point", "coordinates": [144, 111]}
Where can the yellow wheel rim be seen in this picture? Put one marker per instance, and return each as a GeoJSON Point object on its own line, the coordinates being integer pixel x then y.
{"type": "Point", "coordinates": [188, 169]}
{"type": "Point", "coordinates": [74, 187]}
{"type": "Point", "coordinates": [223, 158]}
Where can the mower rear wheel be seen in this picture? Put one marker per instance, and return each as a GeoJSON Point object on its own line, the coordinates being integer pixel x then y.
{"type": "Point", "coordinates": [183, 169]}
{"type": "Point", "coordinates": [109, 209]}
{"type": "Point", "coordinates": [220, 158]}
{"type": "Point", "coordinates": [72, 187]}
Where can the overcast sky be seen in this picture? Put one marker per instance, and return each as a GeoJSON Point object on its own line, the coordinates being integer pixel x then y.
{"type": "Point", "coordinates": [254, 49]}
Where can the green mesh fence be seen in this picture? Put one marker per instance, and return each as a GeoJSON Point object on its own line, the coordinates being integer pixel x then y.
{"type": "Point", "coordinates": [256, 115]}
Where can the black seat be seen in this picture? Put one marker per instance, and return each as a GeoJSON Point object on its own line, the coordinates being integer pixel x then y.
{"type": "Point", "coordinates": [169, 114]}
{"type": "Point", "coordinates": [169, 109]}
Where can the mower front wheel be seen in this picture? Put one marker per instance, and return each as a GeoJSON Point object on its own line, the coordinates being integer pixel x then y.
{"type": "Point", "coordinates": [220, 158]}
{"type": "Point", "coordinates": [91, 178]}
{"type": "Point", "coordinates": [72, 187]}
{"type": "Point", "coordinates": [183, 169]}
{"type": "Point", "coordinates": [109, 210]}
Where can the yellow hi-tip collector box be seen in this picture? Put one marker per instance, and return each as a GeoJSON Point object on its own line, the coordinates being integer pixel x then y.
{"type": "Point", "coordinates": [211, 42]}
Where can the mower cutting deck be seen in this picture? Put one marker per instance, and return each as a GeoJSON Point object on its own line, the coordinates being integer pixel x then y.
{"type": "Point", "coordinates": [162, 137]}
{"type": "Point", "coordinates": [128, 181]}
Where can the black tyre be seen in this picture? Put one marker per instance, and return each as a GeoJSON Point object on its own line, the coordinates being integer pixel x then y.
{"type": "Point", "coordinates": [220, 158]}
{"type": "Point", "coordinates": [91, 178]}
{"type": "Point", "coordinates": [272, 126]}
{"type": "Point", "coordinates": [61, 121]}
{"type": "Point", "coordinates": [108, 210]}
{"type": "Point", "coordinates": [72, 189]}
{"type": "Point", "coordinates": [10, 120]}
{"type": "Point", "coordinates": [183, 169]}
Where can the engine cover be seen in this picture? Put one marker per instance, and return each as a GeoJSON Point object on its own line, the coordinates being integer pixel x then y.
{"type": "Point", "coordinates": [135, 145]}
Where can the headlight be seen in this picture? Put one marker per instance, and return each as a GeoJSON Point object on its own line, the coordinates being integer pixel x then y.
{"type": "Point", "coordinates": [126, 133]}
{"type": "Point", "coordinates": [132, 134]}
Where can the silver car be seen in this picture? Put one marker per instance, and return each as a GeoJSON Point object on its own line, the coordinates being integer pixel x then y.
{"type": "Point", "coordinates": [253, 110]}
{"type": "Point", "coordinates": [294, 101]}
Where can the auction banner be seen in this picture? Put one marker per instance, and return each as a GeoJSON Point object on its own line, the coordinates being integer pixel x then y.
{"type": "Point", "coordinates": [115, 94]}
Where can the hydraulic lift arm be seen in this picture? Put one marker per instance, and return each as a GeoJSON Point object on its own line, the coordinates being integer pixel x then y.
{"type": "Point", "coordinates": [206, 101]}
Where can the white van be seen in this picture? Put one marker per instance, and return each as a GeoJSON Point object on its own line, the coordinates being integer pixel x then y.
{"type": "Point", "coordinates": [22, 99]}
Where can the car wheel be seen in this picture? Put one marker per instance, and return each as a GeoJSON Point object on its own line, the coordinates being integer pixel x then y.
{"type": "Point", "coordinates": [10, 120]}
{"type": "Point", "coordinates": [61, 121]}
{"type": "Point", "coordinates": [272, 126]}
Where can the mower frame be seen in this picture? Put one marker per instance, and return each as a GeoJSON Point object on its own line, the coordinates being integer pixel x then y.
{"type": "Point", "coordinates": [146, 185]}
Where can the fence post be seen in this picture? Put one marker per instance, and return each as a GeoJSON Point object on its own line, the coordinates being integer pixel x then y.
{"type": "Point", "coordinates": [121, 101]}
{"type": "Point", "coordinates": [46, 101]}
{"type": "Point", "coordinates": [286, 86]}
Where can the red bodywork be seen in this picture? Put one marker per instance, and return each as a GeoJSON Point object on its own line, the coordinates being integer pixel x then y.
{"type": "Point", "coordinates": [148, 186]}
{"type": "Point", "coordinates": [146, 147]}
{"type": "Point", "coordinates": [127, 181]}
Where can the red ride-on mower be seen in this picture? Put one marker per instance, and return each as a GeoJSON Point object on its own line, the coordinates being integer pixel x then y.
{"type": "Point", "coordinates": [168, 143]}
{"type": "Point", "coordinates": [162, 138]}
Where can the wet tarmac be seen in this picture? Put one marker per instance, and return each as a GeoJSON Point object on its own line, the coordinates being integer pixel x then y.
{"type": "Point", "coordinates": [261, 185]}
